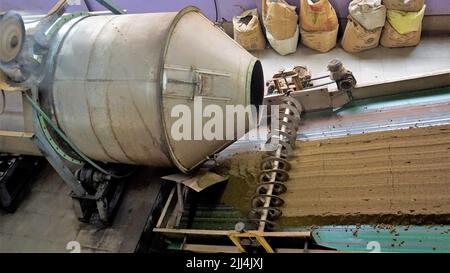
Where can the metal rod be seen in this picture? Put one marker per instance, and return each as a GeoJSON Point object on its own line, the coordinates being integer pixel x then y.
{"type": "Point", "coordinates": [111, 6]}
{"type": "Point", "coordinates": [318, 78]}
{"type": "Point", "coordinates": [268, 199]}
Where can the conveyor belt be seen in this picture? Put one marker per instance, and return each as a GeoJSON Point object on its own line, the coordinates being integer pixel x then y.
{"type": "Point", "coordinates": [387, 177]}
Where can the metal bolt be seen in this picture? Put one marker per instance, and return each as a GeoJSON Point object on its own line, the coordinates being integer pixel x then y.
{"type": "Point", "coordinates": [239, 227]}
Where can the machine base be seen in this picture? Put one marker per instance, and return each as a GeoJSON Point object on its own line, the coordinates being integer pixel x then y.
{"type": "Point", "coordinates": [101, 207]}
{"type": "Point", "coordinates": [15, 179]}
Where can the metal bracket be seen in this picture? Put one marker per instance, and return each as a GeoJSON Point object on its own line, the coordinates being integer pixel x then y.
{"type": "Point", "coordinates": [104, 202]}
{"type": "Point", "coordinates": [8, 86]}
{"type": "Point", "coordinates": [315, 97]}
{"type": "Point", "coordinates": [311, 100]}
{"type": "Point", "coordinates": [106, 198]}
{"type": "Point", "coordinates": [236, 238]}
{"type": "Point", "coordinates": [200, 79]}
{"type": "Point", "coordinates": [54, 159]}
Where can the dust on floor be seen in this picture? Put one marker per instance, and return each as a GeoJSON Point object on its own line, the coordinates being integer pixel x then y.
{"type": "Point", "coordinates": [392, 177]}
{"type": "Point", "coordinates": [377, 177]}
{"type": "Point", "coordinates": [242, 170]}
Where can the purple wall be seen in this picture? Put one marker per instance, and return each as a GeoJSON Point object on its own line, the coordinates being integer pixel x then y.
{"type": "Point", "coordinates": [227, 8]}
{"type": "Point", "coordinates": [35, 6]}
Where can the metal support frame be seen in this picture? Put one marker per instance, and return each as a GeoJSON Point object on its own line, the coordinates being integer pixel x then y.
{"type": "Point", "coordinates": [106, 197]}
{"type": "Point", "coordinates": [315, 99]}
{"type": "Point", "coordinates": [54, 159]}
{"type": "Point", "coordinates": [165, 227]}
{"type": "Point", "coordinates": [103, 201]}
{"type": "Point", "coordinates": [102, 198]}
{"type": "Point", "coordinates": [259, 236]}
{"type": "Point", "coordinates": [312, 97]}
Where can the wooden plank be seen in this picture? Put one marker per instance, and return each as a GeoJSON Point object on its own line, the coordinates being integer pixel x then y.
{"type": "Point", "coordinates": [16, 134]}
{"type": "Point", "coordinates": [192, 231]}
{"type": "Point", "coordinates": [291, 234]}
{"type": "Point", "coordinates": [166, 207]}
{"type": "Point", "coordinates": [209, 248]}
{"type": "Point", "coordinates": [296, 234]}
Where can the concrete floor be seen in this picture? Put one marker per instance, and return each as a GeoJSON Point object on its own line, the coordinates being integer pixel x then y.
{"type": "Point", "coordinates": [45, 222]}
{"type": "Point", "coordinates": [379, 64]}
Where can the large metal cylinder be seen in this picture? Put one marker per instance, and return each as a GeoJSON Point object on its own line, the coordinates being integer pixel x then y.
{"type": "Point", "coordinates": [114, 79]}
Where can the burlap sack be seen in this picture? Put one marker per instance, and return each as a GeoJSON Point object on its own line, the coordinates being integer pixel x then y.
{"type": "Point", "coordinates": [391, 38]}
{"type": "Point", "coordinates": [322, 41]}
{"type": "Point", "coordinates": [356, 38]}
{"type": "Point", "coordinates": [247, 31]}
{"type": "Point", "coordinates": [279, 18]}
{"type": "Point", "coordinates": [406, 21]}
{"type": "Point", "coordinates": [371, 14]}
{"type": "Point", "coordinates": [405, 5]}
{"type": "Point", "coordinates": [280, 21]}
{"type": "Point", "coordinates": [319, 16]}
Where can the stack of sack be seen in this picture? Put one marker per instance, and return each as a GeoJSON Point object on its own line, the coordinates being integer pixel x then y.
{"type": "Point", "coordinates": [247, 31]}
{"type": "Point", "coordinates": [318, 25]}
{"type": "Point", "coordinates": [280, 21]}
{"type": "Point", "coordinates": [404, 23]}
{"type": "Point", "coordinates": [364, 25]}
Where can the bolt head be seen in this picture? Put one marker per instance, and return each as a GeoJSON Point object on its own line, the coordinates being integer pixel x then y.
{"type": "Point", "coordinates": [239, 227]}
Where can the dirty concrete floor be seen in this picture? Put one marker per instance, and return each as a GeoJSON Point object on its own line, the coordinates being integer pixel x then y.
{"type": "Point", "coordinates": [45, 221]}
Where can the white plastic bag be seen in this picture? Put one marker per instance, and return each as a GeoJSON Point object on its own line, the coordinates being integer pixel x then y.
{"type": "Point", "coordinates": [371, 14]}
{"type": "Point", "coordinates": [280, 21]}
{"type": "Point", "coordinates": [286, 46]}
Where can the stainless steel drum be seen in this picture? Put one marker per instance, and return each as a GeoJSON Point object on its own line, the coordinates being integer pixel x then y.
{"type": "Point", "coordinates": [112, 81]}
